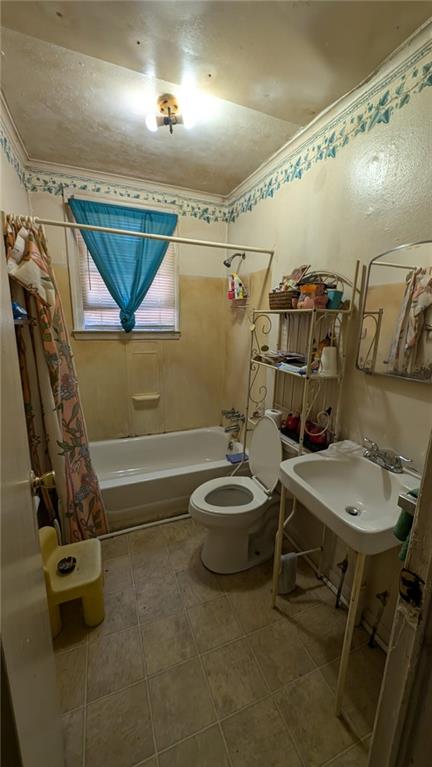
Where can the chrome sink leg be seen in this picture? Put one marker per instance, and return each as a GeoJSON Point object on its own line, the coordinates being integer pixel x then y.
{"type": "Point", "coordinates": [278, 546]}
{"type": "Point", "coordinates": [349, 629]}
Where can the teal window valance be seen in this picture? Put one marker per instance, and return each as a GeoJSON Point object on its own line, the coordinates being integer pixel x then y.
{"type": "Point", "coordinates": [127, 265]}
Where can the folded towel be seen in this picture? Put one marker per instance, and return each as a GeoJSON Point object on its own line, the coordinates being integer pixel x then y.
{"type": "Point", "coordinates": [236, 457]}
{"type": "Point", "coordinates": [404, 549]}
{"type": "Point", "coordinates": [403, 526]}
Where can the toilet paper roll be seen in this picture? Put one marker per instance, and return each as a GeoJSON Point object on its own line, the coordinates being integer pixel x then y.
{"type": "Point", "coordinates": [275, 415]}
{"type": "Point", "coordinates": [328, 364]}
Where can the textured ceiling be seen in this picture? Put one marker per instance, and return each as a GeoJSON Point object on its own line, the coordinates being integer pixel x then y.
{"type": "Point", "coordinates": [77, 110]}
{"type": "Point", "coordinates": [75, 74]}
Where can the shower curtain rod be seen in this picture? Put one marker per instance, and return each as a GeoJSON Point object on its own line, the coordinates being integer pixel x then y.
{"type": "Point", "coordinates": [166, 238]}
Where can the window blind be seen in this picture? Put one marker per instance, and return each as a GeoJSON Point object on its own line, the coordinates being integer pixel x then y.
{"type": "Point", "coordinates": [158, 311]}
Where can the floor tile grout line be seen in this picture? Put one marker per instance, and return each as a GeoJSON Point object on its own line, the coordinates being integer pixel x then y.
{"type": "Point", "coordinates": [290, 734]}
{"type": "Point", "coordinates": [152, 674]}
{"type": "Point", "coordinates": [147, 683]}
{"type": "Point", "coordinates": [247, 705]}
{"type": "Point", "coordinates": [116, 692]}
{"type": "Point", "coordinates": [260, 699]}
{"type": "Point", "coordinates": [142, 678]}
{"type": "Point", "coordinates": [187, 737]}
{"type": "Point", "coordinates": [260, 670]}
{"type": "Point", "coordinates": [278, 620]}
{"type": "Point", "coordinates": [311, 658]}
{"type": "Point", "coordinates": [150, 677]}
{"type": "Point", "coordinates": [224, 741]}
{"type": "Point", "coordinates": [73, 647]}
{"type": "Point", "coordinates": [207, 682]}
{"type": "Point", "coordinates": [207, 727]}
{"type": "Point", "coordinates": [357, 738]}
{"type": "Point", "coordinates": [217, 722]}
{"type": "Point", "coordinates": [191, 629]}
{"type": "Point", "coordinates": [155, 745]}
{"type": "Point", "coordinates": [201, 604]}
{"type": "Point", "coordinates": [328, 762]}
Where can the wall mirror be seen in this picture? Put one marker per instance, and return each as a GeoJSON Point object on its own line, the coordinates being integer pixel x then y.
{"type": "Point", "coordinates": [395, 337]}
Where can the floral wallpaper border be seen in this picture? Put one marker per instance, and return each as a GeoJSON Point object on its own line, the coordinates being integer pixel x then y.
{"type": "Point", "coordinates": [11, 155]}
{"type": "Point", "coordinates": [54, 182]}
{"type": "Point", "coordinates": [374, 106]}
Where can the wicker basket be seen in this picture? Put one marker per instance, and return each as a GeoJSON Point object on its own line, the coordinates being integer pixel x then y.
{"type": "Point", "coordinates": [238, 303]}
{"type": "Point", "coordinates": [283, 299]}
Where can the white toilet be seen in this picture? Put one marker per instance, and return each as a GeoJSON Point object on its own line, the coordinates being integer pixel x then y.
{"type": "Point", "coordinates": [236, 510]}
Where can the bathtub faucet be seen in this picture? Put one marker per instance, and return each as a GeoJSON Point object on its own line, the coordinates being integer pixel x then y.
{"type": "Point", "coordinates": [233, 415]}
{"type": "Point", "coordinates": [234, 428]}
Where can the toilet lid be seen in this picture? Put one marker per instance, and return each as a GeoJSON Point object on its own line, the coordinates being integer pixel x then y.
{"type": "Point", "coordinates": [265, 453]}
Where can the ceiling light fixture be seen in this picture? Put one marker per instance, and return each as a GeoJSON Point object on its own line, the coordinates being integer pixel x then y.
{"type": "Point", "coordinates": [167, 112]}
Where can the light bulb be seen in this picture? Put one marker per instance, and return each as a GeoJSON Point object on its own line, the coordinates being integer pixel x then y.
{"type": "Point", "coordinates": [151, 122]}
{"type": "Point", "coordinates": [189, 119]}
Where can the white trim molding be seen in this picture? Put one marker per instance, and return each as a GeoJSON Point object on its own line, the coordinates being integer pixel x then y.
{"type": "Point", "coordinates": [120, 335]}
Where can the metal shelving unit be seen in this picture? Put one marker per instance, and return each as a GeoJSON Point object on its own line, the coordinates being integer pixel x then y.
{"type": "Point", "coordinates": [297, 330]}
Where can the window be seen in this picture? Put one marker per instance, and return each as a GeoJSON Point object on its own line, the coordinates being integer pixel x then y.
{"type": "Point", "coordinates": [96, 310]}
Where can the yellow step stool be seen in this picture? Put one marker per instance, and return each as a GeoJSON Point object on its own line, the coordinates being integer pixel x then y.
{"type": "Point", "coordinates": [85, 582]}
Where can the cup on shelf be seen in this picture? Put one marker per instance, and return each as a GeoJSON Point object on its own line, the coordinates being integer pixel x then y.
{"type": "Point", "coordinates": [334, 298]}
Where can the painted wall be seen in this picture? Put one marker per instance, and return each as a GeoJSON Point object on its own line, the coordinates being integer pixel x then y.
{"type": "Point", "coordinates": [14, 197]}
{"type": "Point", "coordinates": [354, 184]}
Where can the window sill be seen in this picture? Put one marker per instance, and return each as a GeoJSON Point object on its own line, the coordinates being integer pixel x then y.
{"type": "Point", "coordinates": [120, 335]}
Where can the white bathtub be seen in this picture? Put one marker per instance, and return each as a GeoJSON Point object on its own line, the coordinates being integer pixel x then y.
{"type": "Point", "coordinates": [148, 478]}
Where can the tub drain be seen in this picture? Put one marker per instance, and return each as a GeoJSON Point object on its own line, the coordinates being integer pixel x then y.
{"type": "Point", "coordinates": [353, 510]}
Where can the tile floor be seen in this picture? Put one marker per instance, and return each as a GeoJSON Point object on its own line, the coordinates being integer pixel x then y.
{"type": "Point", "coordinates": [190, 669]}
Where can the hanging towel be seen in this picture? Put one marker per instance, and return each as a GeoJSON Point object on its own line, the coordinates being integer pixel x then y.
{"type": "Point", "coordinates": [402, 529]}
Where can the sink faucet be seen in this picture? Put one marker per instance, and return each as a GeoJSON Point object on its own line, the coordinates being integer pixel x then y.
{"type": "Point", "coordinates": [383, 457]}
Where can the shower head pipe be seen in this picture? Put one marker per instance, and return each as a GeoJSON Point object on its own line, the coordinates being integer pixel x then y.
{"type": "Point", "coordinates": [228, 261]}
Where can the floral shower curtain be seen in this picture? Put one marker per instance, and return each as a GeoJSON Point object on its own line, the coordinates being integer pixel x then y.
{"type": "Point", "coordinates": [57, 431]}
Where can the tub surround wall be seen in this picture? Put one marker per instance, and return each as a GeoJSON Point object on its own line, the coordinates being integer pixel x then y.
{"type": "Point", "coordinates": [238, 340]}
{"type": "Point", "coordinates": [351, 201]}
{"type": "Point", "coordinates": [187, 372]}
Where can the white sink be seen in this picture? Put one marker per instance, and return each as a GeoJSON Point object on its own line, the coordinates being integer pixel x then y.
{"type": "Point", "coordinates": [331, 485]}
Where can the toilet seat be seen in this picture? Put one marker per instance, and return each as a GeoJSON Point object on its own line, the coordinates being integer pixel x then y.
{"type": "Point", "coordinates": [221, 484]}
{"type": "Point", "coordinates": [233, 509]}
